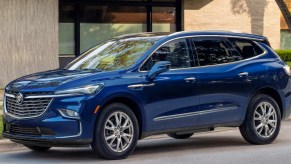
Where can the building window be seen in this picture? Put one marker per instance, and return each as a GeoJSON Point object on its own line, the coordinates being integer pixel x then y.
{"type": "Point", "coordinates": [84, 24]}
{"type": "Point", "coordinates": [100, 23]}
{"type": "Point", "coordinates": [285, 33]}
{"type": "Point", "coordinates": [164, 19]}
{"type": "Point", "coordinates": [66, 34]}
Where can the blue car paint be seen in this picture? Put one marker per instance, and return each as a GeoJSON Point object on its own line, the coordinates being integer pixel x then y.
{"type": "Point", "coordinates": [215, 87]}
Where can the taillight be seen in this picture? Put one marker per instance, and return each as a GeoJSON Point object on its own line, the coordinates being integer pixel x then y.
{"type": "Point", "coordinates": [287, 69]}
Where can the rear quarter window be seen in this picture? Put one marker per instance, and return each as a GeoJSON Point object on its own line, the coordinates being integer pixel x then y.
{"type": "Point", "coordinates": [247, 48]}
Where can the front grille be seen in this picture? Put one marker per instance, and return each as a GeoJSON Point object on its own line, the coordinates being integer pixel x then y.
{"type": "Point", "coordinates": [30, 93]}
{"type": "Point", "coordinates": [36, 131]}
{"type": "Point", "coordinates": [14, 129]}
{"type": "Point", "coordinates": [29, 107]}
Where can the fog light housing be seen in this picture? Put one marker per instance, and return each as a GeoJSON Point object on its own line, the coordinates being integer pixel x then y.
{"type": "Point", "coordinates": [69, 113]}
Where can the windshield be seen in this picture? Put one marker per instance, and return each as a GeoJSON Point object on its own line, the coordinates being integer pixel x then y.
{"type": "Point", "coordinates": [113, 54]}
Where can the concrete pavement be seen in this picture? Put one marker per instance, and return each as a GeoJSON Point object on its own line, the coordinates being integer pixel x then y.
{"type": "Point", "coordinates": [215, 147]}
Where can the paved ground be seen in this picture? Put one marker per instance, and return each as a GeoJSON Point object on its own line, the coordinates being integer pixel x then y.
{"type": "Point", "coordinates": [219, 147]}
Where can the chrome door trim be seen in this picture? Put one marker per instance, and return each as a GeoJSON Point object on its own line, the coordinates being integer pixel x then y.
{"type": "Point", "coordinates": [175, 116]}
{"type": "Point", "coordinates": [188, 79]}
{"type": "Point", "coordinates": [243, 74]}
{"type": "Point", "coordinates": [141, 85]}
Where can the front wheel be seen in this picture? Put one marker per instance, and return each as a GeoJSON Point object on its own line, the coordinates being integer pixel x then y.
{"type": "Point", "coordinates": [116, 132]}
{"type": "Point", "coordinates": [262, 122]}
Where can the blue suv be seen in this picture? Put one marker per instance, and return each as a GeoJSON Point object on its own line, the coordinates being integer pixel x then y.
{"type": "Point", "coordinates": [138, 85]}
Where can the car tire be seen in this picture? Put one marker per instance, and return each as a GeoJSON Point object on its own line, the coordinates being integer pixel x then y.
{"type": "Point", "coordinates": [114, 139]}
{"type": "Point", "coordinates": [180, 136]}
{"type": "Point", "coordinates": [262, 122]}
{"type": "Point", "coordinates": [37, 148]}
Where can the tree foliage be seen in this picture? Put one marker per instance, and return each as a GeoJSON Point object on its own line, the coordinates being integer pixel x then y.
{"type": "Point", "coordinates": [285, 12]}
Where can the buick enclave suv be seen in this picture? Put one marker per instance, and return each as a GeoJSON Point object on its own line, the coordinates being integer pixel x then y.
{"type": "Point", "coordinates": [138, 85]}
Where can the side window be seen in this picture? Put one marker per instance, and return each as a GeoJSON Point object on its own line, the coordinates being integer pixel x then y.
{"type": "Point", "coordinates": [246, 48]}
{"type": "Point", "coordinates": [175, 52]}
{"type": "Point", "coordinates": [212, 51]}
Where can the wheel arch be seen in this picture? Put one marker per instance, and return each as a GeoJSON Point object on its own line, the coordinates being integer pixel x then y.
{"type": "Point", "coordinates": [270, 91]}
{"type": "Point", "coordinates": [133, 104]}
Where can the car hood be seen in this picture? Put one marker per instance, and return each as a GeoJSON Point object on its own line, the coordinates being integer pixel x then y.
{"type": "Point", "coordinates": [50, 80]}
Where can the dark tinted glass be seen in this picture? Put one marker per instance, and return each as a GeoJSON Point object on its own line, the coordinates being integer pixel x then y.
{"type": "Point", "coordinates": [175, 52]}
{"type": "Point", "coordinates": [211, 51]}
{"type": "Point", "coordinates": [67, 13]}
{"type": "Point", "coordinates": [246, 48]}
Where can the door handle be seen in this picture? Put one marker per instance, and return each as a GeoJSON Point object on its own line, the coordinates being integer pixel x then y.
{"type": "Point", "coordinates": [188, 79]}
{"type": "Point", "coordinates": [243, 74]}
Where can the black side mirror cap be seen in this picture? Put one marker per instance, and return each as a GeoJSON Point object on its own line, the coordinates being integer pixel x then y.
{"type": "Point", "coordinates": [158, 68]}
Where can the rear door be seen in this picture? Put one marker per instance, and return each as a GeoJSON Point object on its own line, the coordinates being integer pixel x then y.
{"type": "Point", "coordinates": [222, 84]}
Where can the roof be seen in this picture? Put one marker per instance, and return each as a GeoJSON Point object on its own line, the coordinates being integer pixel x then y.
{"type": "Point", "coordinates": [225, 33]}
{"type": "Point", "coordinates": [191, 33]}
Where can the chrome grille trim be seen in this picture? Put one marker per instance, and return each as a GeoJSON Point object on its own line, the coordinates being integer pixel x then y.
{"type": "Point", "coordinates": [29, 108]}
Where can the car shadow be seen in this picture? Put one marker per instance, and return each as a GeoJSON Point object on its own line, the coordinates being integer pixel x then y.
{"type": "Point", "coordinates": [195, 144]}
{"type": "Point", "coordinates": [145, 147]}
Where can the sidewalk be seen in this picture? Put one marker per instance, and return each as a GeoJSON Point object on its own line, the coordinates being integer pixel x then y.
{"type": "Point", "coordinates": [6, 146]}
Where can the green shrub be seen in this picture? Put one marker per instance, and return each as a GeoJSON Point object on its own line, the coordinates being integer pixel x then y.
{"type": "Point", "coordinates": [284, 54]}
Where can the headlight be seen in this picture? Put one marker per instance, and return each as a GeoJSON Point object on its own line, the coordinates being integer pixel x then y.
{"type": "Point", "coordinates": [287, 69]}
{"type": "Point", "coordinates": [89, 89]}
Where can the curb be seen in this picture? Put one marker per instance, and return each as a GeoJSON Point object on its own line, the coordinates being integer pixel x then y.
{"type": "Point", "coordinates": [6, 146]}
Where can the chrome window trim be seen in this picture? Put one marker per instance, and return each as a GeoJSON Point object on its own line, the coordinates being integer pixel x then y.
{"type": "Point", "coordinates": [182, 115]}
{"type": "Point", "coordinates": [195, 36]}
{"type": "Point", "coordinates": [19, 118]}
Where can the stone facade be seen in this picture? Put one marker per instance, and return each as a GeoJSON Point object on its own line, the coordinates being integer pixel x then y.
{"type": "Point", "coordinates": [252, 16]}
{"type": "Point", "coordinates": [28, 37]}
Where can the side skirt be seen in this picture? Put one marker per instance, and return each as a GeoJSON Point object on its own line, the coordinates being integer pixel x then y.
{"type": "Point", "coordinates": [196, 129]}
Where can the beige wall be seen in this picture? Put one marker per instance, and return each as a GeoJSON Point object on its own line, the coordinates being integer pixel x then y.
{"type": "Point", "coordinates": [252, 16]}
{"type": "Point", "coordinates": [28, 37]}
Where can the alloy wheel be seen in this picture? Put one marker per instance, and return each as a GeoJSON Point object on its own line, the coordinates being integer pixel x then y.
{"type": "Point", "coordinates": [118, 132]}
{"type": "Point", "coordinates": [265, 120]}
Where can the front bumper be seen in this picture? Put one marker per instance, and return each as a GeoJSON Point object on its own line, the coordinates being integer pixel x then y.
{"type": "Point", "coordinates": [36, 141]}
{"type": "Point", "coordinates": [51, 128]}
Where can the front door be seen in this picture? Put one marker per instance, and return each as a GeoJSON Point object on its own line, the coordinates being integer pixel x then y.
{"type": "Point", "coordinates": [172, 98]}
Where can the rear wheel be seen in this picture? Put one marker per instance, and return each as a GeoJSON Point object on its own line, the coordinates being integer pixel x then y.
{"type": "Point", "coordinates": [116, 132]}
{"type": "Point", "coordinates": [263, 120]}
{"type": "Point", "coordinates": [37, 148]}
{"type": "Point", "coordinates": [180, 136]}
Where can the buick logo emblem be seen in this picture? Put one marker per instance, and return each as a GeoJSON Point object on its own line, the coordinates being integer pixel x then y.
{"type": "Point", "coordinates": [19, 98]}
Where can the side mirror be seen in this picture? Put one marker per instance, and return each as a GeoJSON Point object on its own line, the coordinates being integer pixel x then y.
{"type": "Point", "coordinates": [159, 67]}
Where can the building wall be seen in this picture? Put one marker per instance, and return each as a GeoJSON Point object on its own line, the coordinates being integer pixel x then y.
{"type": "Point", "coordinates": [28, 37]}
{"type": "Point", "coordinates": [252, 16]}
